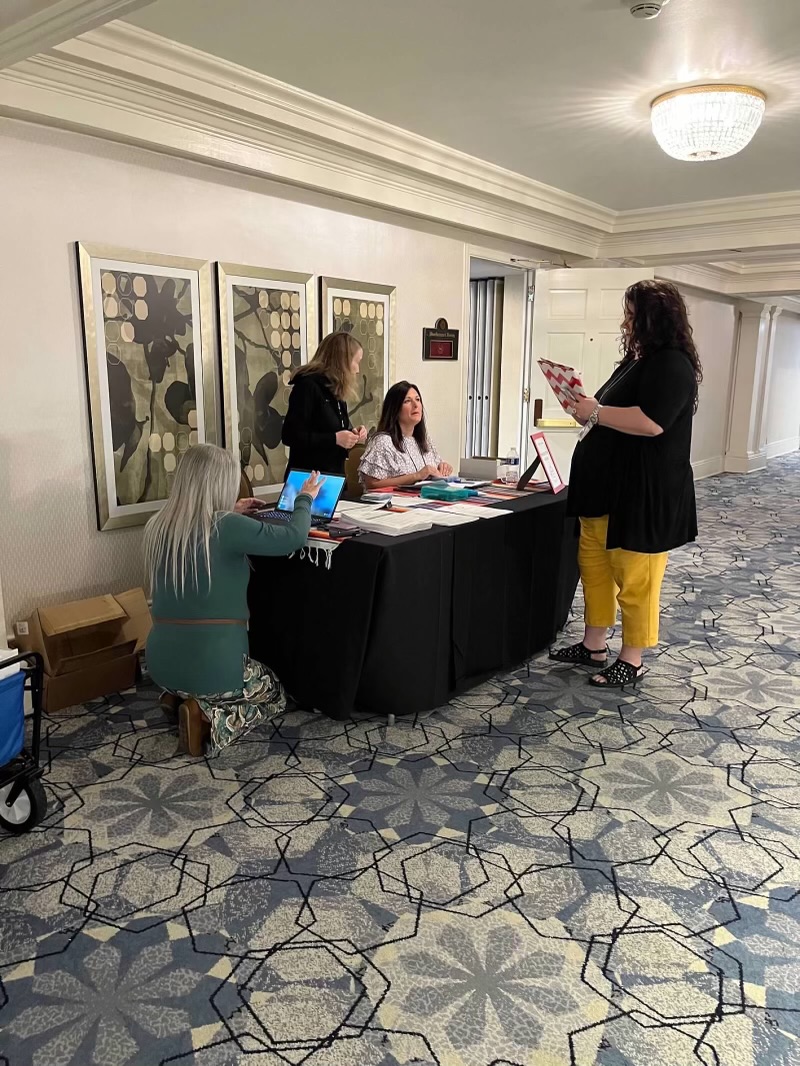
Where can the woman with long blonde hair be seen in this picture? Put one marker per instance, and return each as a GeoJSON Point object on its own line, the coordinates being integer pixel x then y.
{"type": "Point", "coordinates": [317, 429]}
{"type": "Point", "coordinates": [196, 551]}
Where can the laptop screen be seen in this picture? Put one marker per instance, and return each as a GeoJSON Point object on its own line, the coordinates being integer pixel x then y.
{"type": "Point", "coordinates": [325, 503]}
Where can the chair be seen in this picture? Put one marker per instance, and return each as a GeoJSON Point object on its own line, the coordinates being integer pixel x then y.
{"type": "Point", "coordinates": [245, 488]}
{"type": "Point", "coordinates": [353, 485]}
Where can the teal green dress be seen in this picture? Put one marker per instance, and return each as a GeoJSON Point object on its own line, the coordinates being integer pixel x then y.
{"type": "Point", "coordinates": [209, 661]}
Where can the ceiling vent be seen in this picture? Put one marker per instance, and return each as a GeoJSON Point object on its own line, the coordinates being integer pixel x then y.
{"type": "Point", "coordinates": [647, 9]}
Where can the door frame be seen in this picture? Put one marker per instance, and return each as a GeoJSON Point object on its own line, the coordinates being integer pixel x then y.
{"type": "Point", "coordinates": [524, 266]}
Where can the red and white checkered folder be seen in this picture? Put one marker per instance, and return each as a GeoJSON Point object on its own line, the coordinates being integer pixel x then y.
{"type": "Point", "coordinates": [565, 382]}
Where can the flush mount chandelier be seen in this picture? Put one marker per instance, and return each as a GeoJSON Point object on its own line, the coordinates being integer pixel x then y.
{"type": "Point", "coordinates": [706, 122]}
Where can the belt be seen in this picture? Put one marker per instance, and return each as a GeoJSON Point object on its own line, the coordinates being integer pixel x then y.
{"type": "Point", "coordinates": [200, 621]}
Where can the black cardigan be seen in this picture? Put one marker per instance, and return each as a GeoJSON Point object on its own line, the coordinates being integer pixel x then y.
{"type": "Point", "coordinates": [644, 484]}
{"type": "Point", "coordinates": [312, 421]}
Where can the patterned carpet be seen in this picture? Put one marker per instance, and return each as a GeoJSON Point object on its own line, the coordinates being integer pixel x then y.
{"type": "Point", "coordinates": [540, 874]}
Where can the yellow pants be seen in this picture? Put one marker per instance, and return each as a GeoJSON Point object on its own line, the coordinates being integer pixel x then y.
{"type": "Point", "coordinates": [615, 576]}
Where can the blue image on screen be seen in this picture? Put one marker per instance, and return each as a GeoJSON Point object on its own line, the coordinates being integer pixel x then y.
{"type": "Point", "coordinates": [325, 503]}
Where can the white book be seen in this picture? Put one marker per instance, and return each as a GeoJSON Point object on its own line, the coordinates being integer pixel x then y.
{"type": "Point", "coordinates": [394, 524]}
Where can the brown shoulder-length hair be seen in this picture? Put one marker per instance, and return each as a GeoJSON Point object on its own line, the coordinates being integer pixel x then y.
{"type": "Point", "coordinates": [333, 360]}
{"type": "Point", "coordinates": [390, 416]}
{"type": "Point", "coordinates": [656, 320]}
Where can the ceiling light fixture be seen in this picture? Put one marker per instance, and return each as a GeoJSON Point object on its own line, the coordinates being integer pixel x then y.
{"type": "Point", "coordinates": [705, 122]}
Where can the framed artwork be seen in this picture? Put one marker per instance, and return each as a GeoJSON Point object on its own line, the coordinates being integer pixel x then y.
{"type": "Point", "coordinates": [150, 373]}
{"type": "Point", "coordinates": [368, 312]}
{"type": "Point", "coordinates": [267, 320]}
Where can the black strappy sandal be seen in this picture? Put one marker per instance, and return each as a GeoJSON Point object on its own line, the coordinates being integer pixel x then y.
{"type": "Point", "coordinates": [579, 655]}
{"type": "Point", "coordinates": [619, 675]}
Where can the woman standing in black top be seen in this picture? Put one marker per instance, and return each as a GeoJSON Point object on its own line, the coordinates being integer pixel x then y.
{"type": "Point", "coordinates": [317, 427]}
{"type": "Point", "coordinates": [631, 483]}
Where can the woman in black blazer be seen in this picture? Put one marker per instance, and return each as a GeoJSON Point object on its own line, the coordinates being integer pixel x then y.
{"type": "Point", "coordinates": [317, 428]}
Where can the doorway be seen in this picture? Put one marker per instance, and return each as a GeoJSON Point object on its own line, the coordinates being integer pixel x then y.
{"type": "Point", "coordinates": [500, 295]}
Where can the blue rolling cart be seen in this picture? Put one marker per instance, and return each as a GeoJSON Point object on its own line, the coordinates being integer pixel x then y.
{"type": "Point", "coordinates": [23, 800]}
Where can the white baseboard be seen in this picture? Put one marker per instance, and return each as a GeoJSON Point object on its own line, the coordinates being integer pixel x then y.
{"type": "Point", "coordinates": [745, 464]}
{"type": "Point", "coordinates": [783, 447]}
{"type": "Point", "coordinates": [708, 467]}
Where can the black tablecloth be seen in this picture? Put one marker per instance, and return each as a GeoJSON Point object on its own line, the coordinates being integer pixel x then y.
{"type": "Point", "coordinates": [401, 625]}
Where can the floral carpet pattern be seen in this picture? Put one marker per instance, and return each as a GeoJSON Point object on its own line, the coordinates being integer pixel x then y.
{"type": "Point", "coordinates": [540, 874]}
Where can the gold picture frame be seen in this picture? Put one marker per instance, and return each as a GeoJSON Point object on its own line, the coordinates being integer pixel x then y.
{"type": "Point", "coordinates": [150, 371]}
{"type": "Point", "coordinates": [375, 328]}
{"type": "Point", "coordinates": [276, 312]}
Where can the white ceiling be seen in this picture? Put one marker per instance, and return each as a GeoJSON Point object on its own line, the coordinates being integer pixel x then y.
{"type": "Point", "coordinates": [557, 90]}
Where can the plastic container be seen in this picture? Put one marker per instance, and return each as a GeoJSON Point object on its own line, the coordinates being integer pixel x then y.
{"type": "Point", "coordinates": [12, 715]}
{"type": "Point", "coordinates": [440, 491]}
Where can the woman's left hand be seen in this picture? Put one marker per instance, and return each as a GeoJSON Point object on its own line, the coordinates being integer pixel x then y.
{"type": "Point", "coordinates": [584, 409]}
{"type": "Point", "coordinates": [445, 469]}
{"type": "Point", "coordinates": [246, 506]}
{"type": "Point", "coordinates": [361, 433]}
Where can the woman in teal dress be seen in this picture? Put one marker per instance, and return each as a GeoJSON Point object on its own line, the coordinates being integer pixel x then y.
{"type": "Point", "coordinates": [196, 551]}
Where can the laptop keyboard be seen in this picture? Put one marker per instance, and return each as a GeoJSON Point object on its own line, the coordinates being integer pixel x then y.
{"type": "Point", "coordinates": [284, 516]}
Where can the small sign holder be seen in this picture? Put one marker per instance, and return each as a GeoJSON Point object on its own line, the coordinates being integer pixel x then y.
{"type": "Point", "coordinates": [440, 344]}
{"type": "Point", "coordinates": [544, 458]}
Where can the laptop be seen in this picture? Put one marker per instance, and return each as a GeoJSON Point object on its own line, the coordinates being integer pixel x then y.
{"type": "Point", "coordinates": [323, 507]}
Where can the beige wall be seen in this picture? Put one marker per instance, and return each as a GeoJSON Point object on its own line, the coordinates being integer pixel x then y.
{"type": "Point", "coordinates": [783, 410]}
{"type": "Point", "coordinates": [713, 320]}
{"type": "Point", "coordinates": [63, 187]}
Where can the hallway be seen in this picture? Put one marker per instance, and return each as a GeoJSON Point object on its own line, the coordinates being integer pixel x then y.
{"type": "Point", "coordinates": [540, 874]}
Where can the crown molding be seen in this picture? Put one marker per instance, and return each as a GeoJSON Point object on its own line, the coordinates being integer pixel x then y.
{"type": "Point", "coordinates": [694, 276]}
{"type": "Point", "coordinates": [129, 85]}
{"type": "Point", "coordinates": [54, 22]}
{"type": "Point", "coordinates": [761, 267]}
{"type": "Point", "coordinates": [695, 238]}
{"type": "Point", "coordinates": [753, 285]}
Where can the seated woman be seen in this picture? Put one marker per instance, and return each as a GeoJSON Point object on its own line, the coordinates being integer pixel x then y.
{"type": "Point", "coordinates": [401, 452]}
{"type": "Point", "coordinates": [196, 551]}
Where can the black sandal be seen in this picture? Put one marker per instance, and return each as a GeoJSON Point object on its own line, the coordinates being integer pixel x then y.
{"type": "Point", "coordinates": [619, 675]}
{"type": "Point", "coordinates": [579, 655]}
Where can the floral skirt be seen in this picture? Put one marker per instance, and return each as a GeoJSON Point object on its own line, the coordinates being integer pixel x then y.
{"type": "Point", "coordinates": [233, 714]}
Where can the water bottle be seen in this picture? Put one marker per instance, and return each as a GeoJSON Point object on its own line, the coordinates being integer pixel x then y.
{"type": "Point", "coordinates": [512, 467]}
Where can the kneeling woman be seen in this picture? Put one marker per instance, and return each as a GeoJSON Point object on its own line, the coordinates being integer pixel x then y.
{"type": "Point", "coordinates": [401, 452]}
{"type": "Point", "coordinates": [196, 551]}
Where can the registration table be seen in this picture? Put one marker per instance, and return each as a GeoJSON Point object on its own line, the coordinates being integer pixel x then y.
{"type": "Point", "coordinates": [400, 625]}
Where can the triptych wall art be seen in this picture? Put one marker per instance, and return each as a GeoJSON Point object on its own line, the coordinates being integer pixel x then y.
{"type": "Point", "coordinates": [266, 320]}
{"type": "Point", "coordinates": [153, 377]}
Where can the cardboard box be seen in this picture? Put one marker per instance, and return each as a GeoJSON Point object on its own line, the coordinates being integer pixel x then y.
{"type": "Point", "coordinates": [90, 647]}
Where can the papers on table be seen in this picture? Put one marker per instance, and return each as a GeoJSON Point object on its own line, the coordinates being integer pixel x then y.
{"type": "Point", "coordinates": [395, 523]}
{"type": "Point", "coordinates": [445, 516]}
{"type": "Point", "coordinates": [416, 515]}
{"type": "Point", "coordinates": [476, 511]}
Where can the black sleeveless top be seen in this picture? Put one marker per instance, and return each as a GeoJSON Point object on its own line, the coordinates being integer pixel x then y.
{"type": "Point", "coordinates": [644, 484]}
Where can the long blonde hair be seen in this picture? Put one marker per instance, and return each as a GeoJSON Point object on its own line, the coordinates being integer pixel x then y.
{"type": "Point", "coordinates": [334, 360]}
{"type": "Point", "coordinates": [205, 487]}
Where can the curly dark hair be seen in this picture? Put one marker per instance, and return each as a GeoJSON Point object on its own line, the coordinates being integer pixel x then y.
{"type": "Point", "coordinates": [656, 319]}
{"type": "Point", "coordinates": [390, 416]}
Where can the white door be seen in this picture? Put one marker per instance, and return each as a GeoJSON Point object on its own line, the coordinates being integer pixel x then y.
{"type": "Point", "coordinates": [576, 320]}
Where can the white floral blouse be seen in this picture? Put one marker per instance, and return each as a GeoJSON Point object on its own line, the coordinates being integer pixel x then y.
{"type": "Point", "coordinates": [382, 460]}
